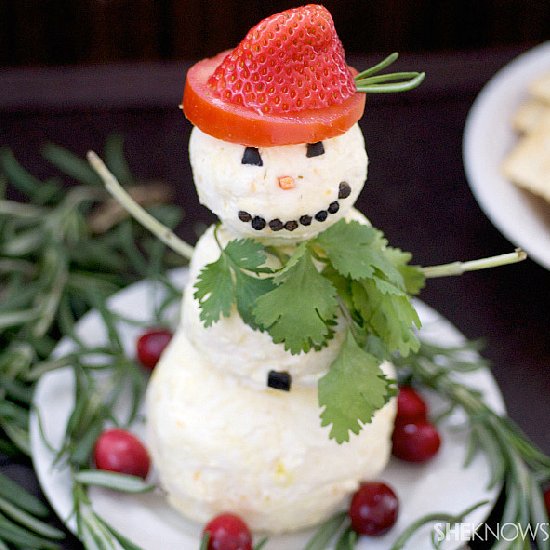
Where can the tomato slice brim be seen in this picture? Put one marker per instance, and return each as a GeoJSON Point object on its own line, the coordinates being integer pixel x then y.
{"type": "Point", "coordinates": [237, 124]}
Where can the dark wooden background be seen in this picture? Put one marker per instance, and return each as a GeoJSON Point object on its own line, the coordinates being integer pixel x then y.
{"type": "Point", "coordinates": [59, 32]}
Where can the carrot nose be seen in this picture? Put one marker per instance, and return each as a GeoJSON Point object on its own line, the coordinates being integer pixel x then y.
{"type": "Point", "coordinates": [286, 182]}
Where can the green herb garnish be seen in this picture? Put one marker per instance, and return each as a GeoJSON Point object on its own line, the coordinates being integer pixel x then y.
{"type": "Point", "coordinates": [62, 253]}
{"type": "Point", "coordinates": [353, 390]}
{"type": "Point", "coordinates": [20, 525]}
{"type": "Point", "coordinates": [369, 81]}
{"type": "Point", "coordinates": [228, 281]}
{"type": "Point", "coordinates": [301, 308]}
{"type": "Point", "coordinates": [366, 283]}
{"type": "Point", "coordinates": [514, 460]}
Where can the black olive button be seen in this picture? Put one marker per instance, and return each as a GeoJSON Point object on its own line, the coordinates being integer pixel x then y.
{"type": "Point", "coordinates": [279, 380]}
{"type": "Point", "coordinates": [258, 223]}
{"type": "Point", "coordinates": [344, 190]}
{"type": "Point", "coordinates": [276, 225]}
{"type": "Point", "coordinates": [321, 216]}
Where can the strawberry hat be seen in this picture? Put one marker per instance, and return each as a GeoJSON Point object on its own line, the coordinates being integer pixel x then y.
{"type": "Point", "coordinates": [287, 82]}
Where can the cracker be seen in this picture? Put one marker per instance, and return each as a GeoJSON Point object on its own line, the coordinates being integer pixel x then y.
{"type": "Point", "coordinates": [528, 165]}
{"type": "Point", "coordinates": [540, 88]}
{"type": "Point", "coordinates": [529, 115]}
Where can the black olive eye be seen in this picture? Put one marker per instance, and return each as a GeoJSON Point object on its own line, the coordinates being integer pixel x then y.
{"type": "Point", "coordinates": [315, 149]}
{"type": "Point", "coordinates": [252, 156]}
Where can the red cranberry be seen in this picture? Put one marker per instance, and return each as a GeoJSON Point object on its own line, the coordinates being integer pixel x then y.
{"type": "Point", "coordinates": [151, 344]}
{"type": "Point", "coordinates": [410, 405]}
{"type": "Point", "coordinates": [373, 509]}
{"type": "Point", "coordinates": [415, 441]}
{"type": "Point", "coordinates": [228, 532]}
{"type": "Point", "coordinates": [547, 501]}
{"type": "Point", "coordinates": [120, 451]}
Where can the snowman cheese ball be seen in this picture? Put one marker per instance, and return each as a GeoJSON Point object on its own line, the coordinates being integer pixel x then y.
{"type": "Point", "coordinates": [232, 413]}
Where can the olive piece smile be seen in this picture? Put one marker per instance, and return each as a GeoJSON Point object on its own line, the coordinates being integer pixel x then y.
{"type": "Point", "coordinates": [258, 222]}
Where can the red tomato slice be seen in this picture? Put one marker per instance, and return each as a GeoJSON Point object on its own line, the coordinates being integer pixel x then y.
{"type": "Point", "coordinates": [237, 124]}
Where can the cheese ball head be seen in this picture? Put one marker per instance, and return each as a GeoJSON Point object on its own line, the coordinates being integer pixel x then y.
{"type": "Point", "coordinates": [283, 193]}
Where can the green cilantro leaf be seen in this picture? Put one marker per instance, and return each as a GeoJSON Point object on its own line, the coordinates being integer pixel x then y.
{"type": "Point", "coordinates": [245, 253]}
{"type": "Point", "coordinates": [356, 250]}
{"type": "Point", "coordinates": [387, 313]}
{"type": "Point", "coordinates": [341, 283]}
{"type": "Point", "coordinates": [352, 391]}
{"type": "Point", "coordinates": [302, 307]}
{"type": "Point", "coordinates": [248, 290]}
{"type": "Point", "coordinates": [215, 291]}
{"type": "Point", "coordinates": [413, 276]}
{"type": "Point", "coordinates": [223, 283]}
{"type": "Point", "coordinates": [379, 281]}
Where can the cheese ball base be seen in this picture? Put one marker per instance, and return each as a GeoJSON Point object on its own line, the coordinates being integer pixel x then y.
{"type": "Point", "coordinates": [219, 445]}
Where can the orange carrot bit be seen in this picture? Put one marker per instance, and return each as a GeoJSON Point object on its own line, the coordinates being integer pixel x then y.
{"type": "Point", "coordinates": [286, 182]}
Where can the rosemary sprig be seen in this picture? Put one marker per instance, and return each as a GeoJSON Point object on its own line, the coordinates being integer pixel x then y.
{"type": "Point", "coordinates": [53, 268]}
{"type": "Point", "coordinates": [112, 480]}
{"type": "Point", "coordinates": [22, 519]}
{"type": "Point", "coordinates": [515, 462]}
{"type": "Point", "coordinates": [367, 82]}
{"type": "Point", "coordinates": [441, 517]}
{"type": "Point", "coordinates": [94, 532]}
{"type": "Point", "coordinates": [327, 530]}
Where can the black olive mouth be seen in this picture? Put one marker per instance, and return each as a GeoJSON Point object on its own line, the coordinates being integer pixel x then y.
{"type": "Point", "coordinates": [259, 222]}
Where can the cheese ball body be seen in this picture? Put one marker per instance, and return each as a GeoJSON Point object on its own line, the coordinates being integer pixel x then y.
{"type": "Point", "coordinates": [219, 445]}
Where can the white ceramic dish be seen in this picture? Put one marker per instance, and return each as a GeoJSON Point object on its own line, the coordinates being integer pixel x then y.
{"type": "Point", "coordinates": [488, 137]}
{"type": "Point", "coordinates": [441, 485]}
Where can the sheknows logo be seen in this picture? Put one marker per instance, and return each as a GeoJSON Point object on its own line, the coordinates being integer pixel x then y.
{"type": "Point", "coordinates": [506, 532]}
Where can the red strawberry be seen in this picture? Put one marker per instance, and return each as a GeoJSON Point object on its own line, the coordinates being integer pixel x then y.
{"type": "Point", "coordinates": [289, 62]}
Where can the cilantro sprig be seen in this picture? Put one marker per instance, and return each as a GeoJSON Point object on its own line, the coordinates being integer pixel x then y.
{"type": "Point", "coordinates": [227, 282]}
{"type": "Point", "coordinates": [366, 283]}
{"type": "Point", "coordinates": [298, 303]}
{"type": "Point", "coordinates": [351, 392]}
{"type": "Point", "coordinates": [301, 309]}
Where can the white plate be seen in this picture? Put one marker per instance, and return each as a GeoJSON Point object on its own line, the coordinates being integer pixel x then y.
{"type": "Point", "coordinates": [441, 485]}
{"type": "Point", "coordinates": [488, 137]}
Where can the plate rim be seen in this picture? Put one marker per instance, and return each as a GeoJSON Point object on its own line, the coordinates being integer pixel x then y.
{"type": "Point", "coordinates": [475, 131]}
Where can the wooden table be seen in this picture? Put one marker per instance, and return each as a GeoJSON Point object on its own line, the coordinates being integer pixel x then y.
{"type": "Point", "coordinates": [416, 191]}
